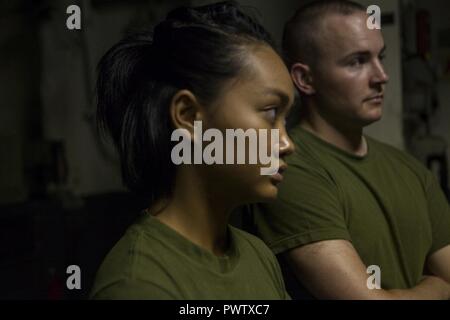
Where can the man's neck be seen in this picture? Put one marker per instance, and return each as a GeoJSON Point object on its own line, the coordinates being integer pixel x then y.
{"type": "Point", "coordinates": [349, 139]}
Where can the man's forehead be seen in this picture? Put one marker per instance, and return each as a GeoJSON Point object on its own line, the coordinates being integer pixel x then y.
{"type": "Point", "coordinates": [348, 33]}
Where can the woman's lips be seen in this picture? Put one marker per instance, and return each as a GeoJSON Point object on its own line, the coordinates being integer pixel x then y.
{"type": "Point", "coordinates": [278, 177]}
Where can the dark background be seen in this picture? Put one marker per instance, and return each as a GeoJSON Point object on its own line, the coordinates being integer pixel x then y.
{"type": "Point", "coordinates": [61, 197]}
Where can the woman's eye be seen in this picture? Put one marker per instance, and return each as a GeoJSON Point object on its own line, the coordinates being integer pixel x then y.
{"type": "Point", "coordinates": [271, 114]}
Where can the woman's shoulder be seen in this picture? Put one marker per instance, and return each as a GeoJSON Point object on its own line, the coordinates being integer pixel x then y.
{"type": "Point", "coordinates": [132, 289]}
{"type": "Point", "coordinates": [248, 240]}
{"type": "Point", "coordinates": [131, 263]}
{"type": "Point", "coordinates": [256, 252]}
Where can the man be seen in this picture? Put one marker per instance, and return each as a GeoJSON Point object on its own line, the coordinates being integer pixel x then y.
{"type": "Point", "coordinates": [348, 201]}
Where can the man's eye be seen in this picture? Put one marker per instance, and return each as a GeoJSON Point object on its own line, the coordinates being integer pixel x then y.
{"type": "Point", "coordinates": [356, 61]}
{"type": "Point", "coordinates": [382, 57]}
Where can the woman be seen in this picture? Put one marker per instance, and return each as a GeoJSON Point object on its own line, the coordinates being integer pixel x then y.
{"type": "Point", "coordinates": [216, 65]}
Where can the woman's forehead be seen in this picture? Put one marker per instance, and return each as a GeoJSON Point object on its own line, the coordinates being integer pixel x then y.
{"type": "Point", "coordinates": [265, 71]}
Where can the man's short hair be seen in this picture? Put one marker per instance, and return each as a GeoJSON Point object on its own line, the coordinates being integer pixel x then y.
{"type": "Point", "coordinates": [301, 31]}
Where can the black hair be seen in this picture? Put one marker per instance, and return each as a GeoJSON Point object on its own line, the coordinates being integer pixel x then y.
{"type": "Point", "coordinates": [301, 31]}
{"type": "Point", "coordinates": [194, 48]}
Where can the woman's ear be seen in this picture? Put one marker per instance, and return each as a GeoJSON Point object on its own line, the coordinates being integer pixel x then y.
{"type": "Point", "coordinates": [184, 110]}
{"type": "Point", "coordinates": [302, 78]}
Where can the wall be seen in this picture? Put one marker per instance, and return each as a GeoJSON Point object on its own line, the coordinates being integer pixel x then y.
{"type": "Point", "coordinates": [69, 60]}
{"type": "Point", "coordinates": [19, 103]}
{"type": "Point", "coordinates": [440, 22]}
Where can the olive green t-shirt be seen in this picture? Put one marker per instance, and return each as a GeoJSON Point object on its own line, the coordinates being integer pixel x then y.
{"type": "Point", "coordinates": [153, 261]}
{"type": "Point", "coordinates": [386, 203]}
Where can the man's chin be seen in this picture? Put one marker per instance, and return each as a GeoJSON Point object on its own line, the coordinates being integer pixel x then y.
{"type": "Point", "coordinates": [369, 121]}
{"type": "Point", "coordinates": [373, 116]}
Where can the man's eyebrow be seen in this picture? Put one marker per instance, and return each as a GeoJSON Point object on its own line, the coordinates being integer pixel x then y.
{"type": "Point", "coordinates": [363, 53]}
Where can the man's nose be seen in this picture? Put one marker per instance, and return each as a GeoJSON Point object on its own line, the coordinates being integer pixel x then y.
{"type": "Point", "coordinates": [379, 74]}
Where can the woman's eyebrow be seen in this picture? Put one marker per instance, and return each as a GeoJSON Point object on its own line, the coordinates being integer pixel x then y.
{"type": "Point", "coordinates": [284, 97]}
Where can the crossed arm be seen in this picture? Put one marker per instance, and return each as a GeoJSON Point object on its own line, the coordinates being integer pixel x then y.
{"type": "Point", "coordinates": [439, 263]}
{"type": "Point", "coordinates": [332, 269]}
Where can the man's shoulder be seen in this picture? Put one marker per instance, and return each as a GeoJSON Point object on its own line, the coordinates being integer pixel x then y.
{"type": "Point", "coordinates": [308, 162]}
{"type": "Point", "coordinates": [396, 156]}
{"type": "Point", "coordinates": [306, 156]}
{"type": "Point", "coordinates": [380, 145]}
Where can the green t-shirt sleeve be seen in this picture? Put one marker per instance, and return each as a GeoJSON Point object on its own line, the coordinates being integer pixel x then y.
{"type": "Point", "coordinates": [439, 212]}
{"type": "Point", "coordinates": [308, 209]}
{"type": "Point", "coordinates": [128, 289]}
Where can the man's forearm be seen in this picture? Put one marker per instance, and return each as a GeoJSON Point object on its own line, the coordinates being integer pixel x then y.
{"type": "Point", "coordinates": [430, 288]}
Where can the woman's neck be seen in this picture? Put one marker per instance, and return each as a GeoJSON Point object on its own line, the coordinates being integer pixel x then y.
{"type": "Point", "coordinates": [197, 213]}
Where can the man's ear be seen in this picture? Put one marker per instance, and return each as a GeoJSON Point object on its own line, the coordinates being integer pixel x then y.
{"type": "Point", "coordinates": [184, 110]}
{"type": "Point", "coordinates": [302, 78]}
